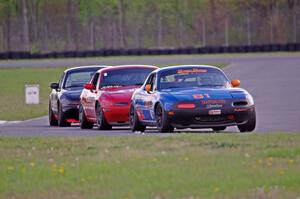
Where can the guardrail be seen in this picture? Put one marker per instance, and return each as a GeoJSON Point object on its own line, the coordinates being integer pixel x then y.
{"type": "Point", "coordinates": [290, 47]}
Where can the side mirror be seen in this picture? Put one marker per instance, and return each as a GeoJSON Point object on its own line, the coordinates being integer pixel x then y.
{"type": "Point", "coordinates": [235, 83]}
{"type": "Point", "coordinates": [148, 87]}
{"type": "Point", "coordinates": [54, 85]}
{"type": "Point", "coordinates": [89, 86]}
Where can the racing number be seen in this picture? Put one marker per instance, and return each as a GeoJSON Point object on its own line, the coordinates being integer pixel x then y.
{"type": "Point", "coordinates": [201, 96]}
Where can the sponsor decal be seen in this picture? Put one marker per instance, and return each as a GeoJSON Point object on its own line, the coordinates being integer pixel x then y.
{"type": "Point", "coordinates": [194, 70]}
{"type": "Point", "coordinates": [214, 106]}
{"type": "Point", "coordinates": [201, 96]}
{"type": "Point", "coordinates": [148, 103]}
{"type": "Point", "coordinates": [140, 114]}
{"type": "Point", "coordinates": [214, 112]}
{"type": "Point", "coordinates": [205, 102]}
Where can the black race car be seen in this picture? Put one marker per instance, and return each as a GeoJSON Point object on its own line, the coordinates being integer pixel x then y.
{"type": "Point", "coordinates": [65, 95]}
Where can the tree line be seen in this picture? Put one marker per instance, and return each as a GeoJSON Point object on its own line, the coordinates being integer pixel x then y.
{"type": "Point", "coordinates": [67, 25]}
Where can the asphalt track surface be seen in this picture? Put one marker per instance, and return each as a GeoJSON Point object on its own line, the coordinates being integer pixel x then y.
{"type": "Point", "coordinates": [273, 80]}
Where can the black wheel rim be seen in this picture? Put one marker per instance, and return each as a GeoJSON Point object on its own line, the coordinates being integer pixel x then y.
{"type": "Point", "coordinates": [131, 116]}
{"type": "Point", "coordinates": [159, 116]}
{"type": "Point", "coordinates": [80, 115]}
{"type": "Point", "coordinates": [99, 116]}
{"type": "Point", "coordinates": [59, 114]}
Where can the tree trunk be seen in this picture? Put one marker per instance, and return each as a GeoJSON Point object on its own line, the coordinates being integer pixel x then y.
{"type": "Point", "coordinates": [159, 29]}
{"type": "Point", "coordinates": [69, 25]}
{"type": "Point", "coordinates": [248, 29]}
{"type": "Point", "coordinates": [226, 34]}
{"type": "Point", "coordinates": [203, 32]}
{"type": "Point", "coordinates": [294, 27]}
{"type": "Point", "coordinates": [34, 21]}
{"type": "Point", "coordinates": [7, 32]}
{"type": "Point", "coordinates": [92, 34]}
{"type": "Point", "coordinates": [121, 23]}
{"type": "Point", "coordinates": [25, 27]}
{"type": "Point", "coordinates": [214, 20]}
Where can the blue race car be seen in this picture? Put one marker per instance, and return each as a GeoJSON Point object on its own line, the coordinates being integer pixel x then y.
{"type": "Point", "coordinates": [191, 97]}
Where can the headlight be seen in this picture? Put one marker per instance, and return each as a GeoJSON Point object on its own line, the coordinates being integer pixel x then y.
{"type": "Point", "coordinates": [249, 99]}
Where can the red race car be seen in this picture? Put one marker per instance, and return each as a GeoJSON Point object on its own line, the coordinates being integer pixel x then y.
{"type": "Point", "coordinates": [106, 99]}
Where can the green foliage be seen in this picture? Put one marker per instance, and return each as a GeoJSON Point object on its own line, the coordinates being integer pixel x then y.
{"type": "Point", "coordinates": [147, 23]}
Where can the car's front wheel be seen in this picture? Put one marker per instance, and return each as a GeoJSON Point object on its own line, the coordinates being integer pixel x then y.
{"type": "Point", "coordinates": [83, 122]}
{"type": "Point", "coordinates": [250, 124]}
{"type": "Point", "coordinates": [52, 118]}
{"type": "Point", "coordinates": [61, 117]}
{"type": "Point", "coordinates": [134, 122]}
{"type": "Point", "coordinates": [162, 122]}
{"type": "Point", "coordinates": [102, 124]}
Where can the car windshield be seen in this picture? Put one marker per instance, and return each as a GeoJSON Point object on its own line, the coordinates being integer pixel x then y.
{"type": "Point", "coordinates": [76, 79]}
{"type": "Point", "coordinates": [125, 77]}
{"type": "Point", "coordinates": [192, 78]}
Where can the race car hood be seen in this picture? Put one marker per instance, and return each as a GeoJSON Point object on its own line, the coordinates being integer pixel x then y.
{"type": "Point", "coordinates": [121, 96]}
{"type": "Point", "coordinates": [213, 93]}
{"type": "Point", "coordinates": [72, 95]}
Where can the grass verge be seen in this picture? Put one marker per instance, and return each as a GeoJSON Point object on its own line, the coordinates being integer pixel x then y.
{"type": "Point", "coordinates": [177, 166]}
{"type": "Point", "coordinates": [12, 95]}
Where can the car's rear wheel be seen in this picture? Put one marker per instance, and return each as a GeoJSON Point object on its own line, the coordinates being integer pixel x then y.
{"type": "Point", "coordinates": [102, 124]}
{"type": "Point", "coordinates": [134, 122]}
{"type": "Point", "coordinates": [250, 125]}
{"type": "Point", "coordinates": [83, 122]}
{"type": "Point", "coordinates": [162, 122]}
{"type": "Point", "coordinates": [61, 117]}
{"type": "Point", "coordinates": [52, 118]}
{"type": "Point", "coordinates": [218, 129]}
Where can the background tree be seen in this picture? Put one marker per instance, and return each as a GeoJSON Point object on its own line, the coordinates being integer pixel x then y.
{"type": "Point", "coordinates": [61, 25]}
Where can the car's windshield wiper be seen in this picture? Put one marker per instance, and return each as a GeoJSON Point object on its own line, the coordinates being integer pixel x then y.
{"type": "Point", "coordinates": [73, 86]}
{"type": "Point", "coordinates": [113, 85]}
{"type": "Point", "coordinates": [173, 87]}
{"type": "Point", "coordinates": [203, 85]}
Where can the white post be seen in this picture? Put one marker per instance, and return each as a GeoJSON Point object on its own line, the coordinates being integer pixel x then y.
{"type": "Point", "coordinates": [32, 94]}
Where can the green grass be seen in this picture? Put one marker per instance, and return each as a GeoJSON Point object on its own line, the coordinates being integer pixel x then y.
{"type": "Point", "coordinates": [176, 166]}
{"type": "Point", "coordinates": [12, 95]}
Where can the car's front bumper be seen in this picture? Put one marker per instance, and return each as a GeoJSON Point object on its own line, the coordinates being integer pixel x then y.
{"type": "Point", "coordinates": [71, 111]}
{"type": "Point", "coordinates": [186, 118]}
{"type": "Point", "coordinates": [116, 114]}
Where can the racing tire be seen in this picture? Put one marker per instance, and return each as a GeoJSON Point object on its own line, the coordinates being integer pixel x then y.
{"type": "Point", "coordinates": [52, 118]}
{"type": "Point", "coordinates": [218, 129]}
{"type": "Point", "coordinates": [61, 118]}
{"type": "Point", "coordinates": [162, 122]}
{"type": "Point", "coordinates": [250, 124]}
{"type": "Point", "coordinates": [83, 122]}
{"type": "Point", "coordinates": [102, 124]}
{"type": "Point", "coordinates": [134, 122]}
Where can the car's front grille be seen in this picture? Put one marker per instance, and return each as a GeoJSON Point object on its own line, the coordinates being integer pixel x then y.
{"type": "Point", "coordinates": [211, 118]}
{"type": "Point", "coordinates": [240, 103]}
